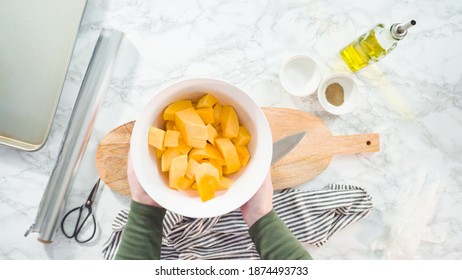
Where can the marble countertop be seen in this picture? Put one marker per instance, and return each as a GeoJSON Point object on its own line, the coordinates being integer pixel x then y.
{"type": "Point", "coordinates": [411, 97]}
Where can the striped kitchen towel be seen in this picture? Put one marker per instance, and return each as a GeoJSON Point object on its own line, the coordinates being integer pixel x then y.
{"type": "Point", "coordinates": [312, 216]}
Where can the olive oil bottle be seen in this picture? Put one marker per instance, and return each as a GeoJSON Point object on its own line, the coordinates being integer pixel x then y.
{"type": "Point", "coordinates": [374, 45]}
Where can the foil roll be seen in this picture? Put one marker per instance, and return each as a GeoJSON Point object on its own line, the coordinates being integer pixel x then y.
{"type": "Point", "coordinates": [79, 129]}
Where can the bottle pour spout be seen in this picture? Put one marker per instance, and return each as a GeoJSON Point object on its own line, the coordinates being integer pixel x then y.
{"type": "Point", "coordinates": [399, 30]}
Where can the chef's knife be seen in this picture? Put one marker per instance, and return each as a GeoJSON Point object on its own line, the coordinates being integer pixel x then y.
{"type": "Point", "coordinates": [285, 145]}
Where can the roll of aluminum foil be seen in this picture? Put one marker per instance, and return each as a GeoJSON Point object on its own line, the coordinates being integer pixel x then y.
{"type": "Point", "coordinates": [77, 134]}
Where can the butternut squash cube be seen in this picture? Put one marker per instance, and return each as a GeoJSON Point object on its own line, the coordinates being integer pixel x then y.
{"type": "Point", "coordinates": [184, 183]}
{"type": "Point", "coordinates": [206, 187]}
{"type": "Point", "coordinates": [216, 114]}
{"type": "Point", "coordinates": [204, 169]}
{"type": "Point", "coordinates": [167, 158]}
{"type": "Point", "coordinates": [206, 115]}
{"type": "Point", "coordinates": [207, 181]}
{"type": "Point", "coordinates": [159, 153]}
{"type": "Point", "coordinates": [196, 143]}
{"type": "Point", "coordinates": [183, 147]}
{"type": "Point", "coordinates": [211, 133]}
{"type": "Point", "coordinates": [243, 137]}
{"type": "Point", "coordinates": [229, 122]}
{"type": "Point", "coordinates": [218, 166]}
{"type": "Point", "coordinates": [191, 170]}
{"type": "Point", "coordinates": [227, 149]}
{"type": "Point", "coordinates": [170, 125]}
{"type": "Point", "coordinates": [156, 138]}
{"type": "Point", "coordinates": [207, 101]}
{"type": "Point", "coordinates": [171, 138]}
{"type": "Point", "coordinates": [191, 126]}
{"type": "Point", "coordinates": [170, 111]}
{"type": "Point", "coordinates": [210, 152]}
{"type": "Point", "coordinates": [177, 170]}
{"type": "Point", "coordinates": [243, 154]}
{"type": "Point", "coordinates": [224, 183]}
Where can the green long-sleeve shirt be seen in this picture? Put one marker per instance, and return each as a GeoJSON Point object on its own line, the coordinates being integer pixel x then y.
{"type": "Point", "coordinates": [142, 237]}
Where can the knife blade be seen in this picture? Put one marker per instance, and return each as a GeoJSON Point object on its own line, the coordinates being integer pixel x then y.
{"type": "Point", "coordinates": [283, 146]}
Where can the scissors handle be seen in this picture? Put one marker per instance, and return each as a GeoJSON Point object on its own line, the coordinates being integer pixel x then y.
{"type": "Point", "coordinates": [79, 224]}
{"type": "Point", "coordinates": [93, 233]}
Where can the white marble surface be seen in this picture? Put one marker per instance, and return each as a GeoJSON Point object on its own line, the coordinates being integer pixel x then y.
{"type": "Point", "coordinates": [412, 98]}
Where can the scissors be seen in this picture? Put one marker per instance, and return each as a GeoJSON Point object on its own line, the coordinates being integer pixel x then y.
{"type": "Point", "coordinates": [80, 220]}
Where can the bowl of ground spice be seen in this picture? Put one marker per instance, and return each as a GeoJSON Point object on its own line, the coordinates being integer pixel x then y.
{"type": "Point", "coordinates": [338, 94]}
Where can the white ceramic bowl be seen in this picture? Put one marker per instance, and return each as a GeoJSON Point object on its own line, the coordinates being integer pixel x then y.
{"type": "Point", "coordinates": [350, 91]}
{"type": "Point", "coordinates": [299, 75]}
{"type": "Point", "coordinates": [246, 182]}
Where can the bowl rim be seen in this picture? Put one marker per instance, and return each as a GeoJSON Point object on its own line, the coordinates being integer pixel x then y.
{"type": "Point", "coordinates": [344, 108]}
{"type": "Point", "coordinates": [209, 208]}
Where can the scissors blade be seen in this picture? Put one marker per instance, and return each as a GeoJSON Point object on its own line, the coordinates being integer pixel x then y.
{"type": "Point", "coordinates": [285, 145]}
{"type": "Point", "coordinates": [93, 192]}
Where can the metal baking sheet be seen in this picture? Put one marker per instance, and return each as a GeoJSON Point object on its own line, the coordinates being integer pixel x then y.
{"type": "Point", "coordinates": [36, 43]}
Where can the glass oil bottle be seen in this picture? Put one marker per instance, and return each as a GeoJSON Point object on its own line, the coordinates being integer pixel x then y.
{"type": "Point", "coordinates": [374, 45]}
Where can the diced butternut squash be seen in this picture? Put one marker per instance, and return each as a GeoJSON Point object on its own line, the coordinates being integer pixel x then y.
{"type": "Point", "coordinates": [224, 183]}
{"type": "Point", "coordinates": [183, 147]}
{"type": "Point", "coordinates": [205, 169]}
{"type": "Point", "coordinates": [206, 187]}
{"type": "Point", "coordinates": [196, 143]}
{"type": "Point", "coordinates": [170, 111]}
{"type": "Point", "coordinates": [184, 183]}
{"type": "Point", "coordinates": [177, 170]}
{"type": "Point", "coordinates": [207, 101]}
{"type": "Point", "coordinates": [211, 133]}
{"type": "Point", "coordinates": [207, 181]}
{"type": "Point", "coordinates": [202, 141]}
{"type": "Point", "coordinates": [167, 158]}
{"type": "Point", "coordinates": [229, 122]}
{"type": "Point", "coordinates": [190, 125]}
{"type": "Point", "coordinates": [156, 138]}
{"type": "Point", "coordinates": [170, 125]}
{"type": "Point", "coordinates": [243, 154]}
{"type": "Point", "coordinates": [227, 149]}
{"type": "Point", "coordinates": [218, 166]}
{"type": "Point", "coordinates": [206, 114]}
{"type": "Point", "coordinates": [243, 137]}
{"type": "Point", "coordinates": [159, 153]}
{"type": "Point", "coordinates": [210, 152]}
{"type": "Point", "coordinates": [216, 114]}
{"type": "Point", "coordinates": [190, 171]}
{"type": "Point", "coordinates": [171, 138]}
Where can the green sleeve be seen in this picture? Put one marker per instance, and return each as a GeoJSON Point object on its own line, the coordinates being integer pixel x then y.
{"type": "Point", "coordinates": [274, 241]}
{"type": "Point", "coordinates": [142, 236]}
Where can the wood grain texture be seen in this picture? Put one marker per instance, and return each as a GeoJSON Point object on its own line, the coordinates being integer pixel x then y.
{"type": "Point", "coordinates": [306, 161]}
{"type": "Point", "coordinates": [111, 158]}
{"type": "Point", "coordinates": [314, 153]}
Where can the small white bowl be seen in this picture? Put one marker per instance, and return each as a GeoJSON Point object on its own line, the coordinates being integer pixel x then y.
{"type": "Point", "coordinates": [246, 182]}
{"type": "Point", "coordinates": [300, 75]}
{"type": "Point", "coordinates": [350, 93]}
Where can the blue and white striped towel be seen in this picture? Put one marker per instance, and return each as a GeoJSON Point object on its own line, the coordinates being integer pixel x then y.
{"type": "Point", "coordinates": [312, 216]}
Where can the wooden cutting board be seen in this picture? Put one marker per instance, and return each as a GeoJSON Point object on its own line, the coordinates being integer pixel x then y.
{"type": "Point", "coordinates": [309, 159]}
